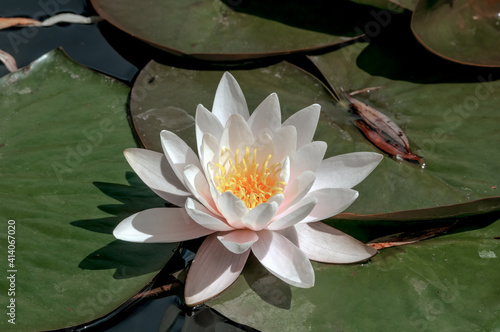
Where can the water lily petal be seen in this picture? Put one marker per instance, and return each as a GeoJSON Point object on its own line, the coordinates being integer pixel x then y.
{"type": "Point", "coordinates": [283, 259]}
{"type": "Point", "coordinates": [346, 170]}
{"type": "Point", "coordinates": [308, 157]}
{"type": "Point", "coordinates": [306, 121]}
{"type": "Point", "coordinates": [266, 118]}
{"type": "Point", "coordinates": [209, 150]}
{"type": "Point", "coordinates": [285, 170]}
{"type": "Point", "coordinates": [236, 134]}
{"type": "Point", "coordinates": [206, 123]}
{"type": "Point", "coordinates": [214, 268]}
{"type": "Point", "coordinates": [326, 244]}
{"type": "Point", "coordinates": [232, 208]}
{"type": "Point", "coordinates": [265, 147]}
{"type": "Point", "coordinates": [159, 225]}
{"type": "Point", "coordinates": [296, 190]}
{"type": "Point", "coordinates": [197, 183]}
{"type": "Point", "coordinates": [294, 214]}
{"type": "Point", "coordinates": [260, 216]}
{"type": "Point", "coordinates": [154, 169]}
{"type": "Point", "coordinates": [178, 153]}
{"type": "Point", "coordinates": [229, 100]}
{"type": "Point", "coordinates": [238, 241]}
{"type": "Point", "coordinates": [331, 201]}
{"type": "Point", "coordinates": [285, 143]}
{"type": "Point", "coordinates": [204, 217]}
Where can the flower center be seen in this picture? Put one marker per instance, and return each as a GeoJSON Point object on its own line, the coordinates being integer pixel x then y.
{"type": "Point", "coordinates": [246, 179]}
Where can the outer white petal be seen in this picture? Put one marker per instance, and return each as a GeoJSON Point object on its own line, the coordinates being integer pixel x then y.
{"type": "Point", "coordinates": [260, 216]}
{"type": "Point", "coordinates": [232, 208]}
{"type": "Point", "coordinates": [331, 201]}
{"type": "Point", "coordinates": [266, 118]}
{"type": "Point", "coordinates": [306, 121]}
{"type": "Point", "coordinates": [206, 123]}
{"type": "Point", "coordinates": [214, 268]}
{"type": "Point", "coordinates": [236, 134]}
{"type": "Point", "coordinates": [294, 214]}
{"type": "Point", "coordinates": [159, 225]}
{"type": "Point", "coordinates": [238, 241]}
{"type": "Point", "coordinates": [346, 170]}
{"type": "Point", "coordinates": [307, 158]}
{"type": "Point", "coordinates": [296, 190]}
{"type": "Point", "coordinates": [178, 153]}
{"type": "Point", "coordinates": [283, 259]}
{"type": "Point", "coordinates": [204, 217]}
{"type": "Point", "coordinates": [326, 244]}
{"type": "Point", "coordinates": [198, 185]}
{"type": "Point", "coordinates": [154, 169]}
{"type": "Point", "coordinates": [229, 99]}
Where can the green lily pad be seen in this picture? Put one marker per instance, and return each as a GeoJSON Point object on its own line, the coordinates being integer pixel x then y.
{"type": "Point", "coordinates": [236, 30]}
{"type": "Point", "coordinates": [444, 284]}
{"type": "Point", "coordinates": [465, 31]}
{"type": "Point", "coordinates": [407, 4]}
{"type": "Point", "coordinates": [448, 113]}
{"type": "Point", "coordinates": [66, 185]}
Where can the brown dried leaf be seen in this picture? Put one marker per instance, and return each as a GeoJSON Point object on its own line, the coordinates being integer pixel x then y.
{"type": "Point", "coordinates": [403, 238]}
{"type": "Point", "coordinates": [9, 61]}
{"type": "Point", "coordinates": [7, 22]}
{"type": "Point", "coordinates": [382, 131]}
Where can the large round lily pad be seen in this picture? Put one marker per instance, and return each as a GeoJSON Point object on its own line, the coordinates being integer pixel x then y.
{"type": "Point", "coordinates": [66, 185]}
{"type": "Point", "coordinates": [465, 31]}
{"type": "Point", "coordinates": [237, 30]}
{"type": "Point", "coordinates": [448, 113]}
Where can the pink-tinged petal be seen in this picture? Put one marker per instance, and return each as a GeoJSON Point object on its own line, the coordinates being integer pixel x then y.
{"type": "Point", "coordinates": [331, 201]}
{"type": "Point", "coordinates": [346, 170]}
{"type": "Point", "coordinates": [229, 100]}
{"type": "Point", "coordinates": [159, 225]}
{"type": "Point", "coordinates": [197, 183]}
{"type": "Point", "coordinates": [214, 268]}
{"type": "Point", "coordinates": [306, 121]}
{"type": "Point", "coordinates": [232, 208]}
{"type": "Point", "coordinates": [236, 135]}
{"type": "Point", "coordinates": [307, 158]}
{"type": "Point", "coordinates": [204, 217]}
{"type": "Point", "coordinates": [294, 214]}
{"type": "Point", "coordinates": [260, 216]}
{"type": "Point", "coordinates": [266, 118]}
{"type": "Point", "coordinates": [326, 244]}
{"type": "Point", "coordinates": [238, 241]}
{"type": "Point", "coordinates": [153, 168]}
{"type": "Point", "coordinates": [178, 153]}
{"type": "Point", "coordinates": [206, 123]}
{"type": "Point", "coordinates": [285, 143]}
{"type": "Point", "coordinates": [283, 259]}
{"type": "Point", "coordinates": [209, 150]}
{"type": "Point", "coordinates": [296, 190]}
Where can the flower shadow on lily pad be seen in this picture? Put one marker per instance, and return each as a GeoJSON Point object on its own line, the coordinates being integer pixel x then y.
{"type": "Point", "coordinates": [128, 259]}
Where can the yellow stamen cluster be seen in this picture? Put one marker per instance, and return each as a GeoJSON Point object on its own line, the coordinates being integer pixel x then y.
{"type": "Point", "coordinates": [246, 180]}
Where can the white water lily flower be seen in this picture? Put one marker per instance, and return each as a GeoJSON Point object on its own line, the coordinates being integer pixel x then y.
{"type": "Point", "coordinates": [257, 185]}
